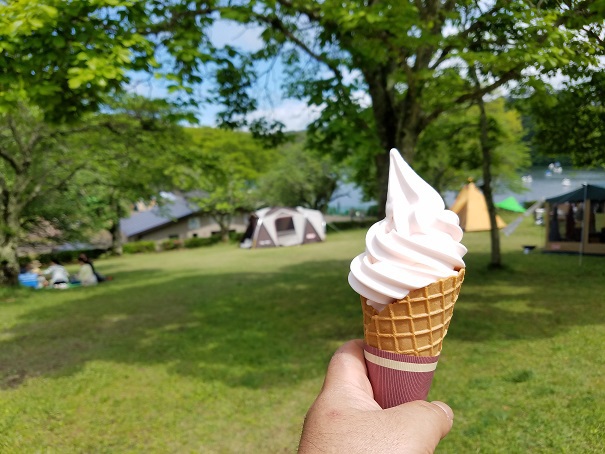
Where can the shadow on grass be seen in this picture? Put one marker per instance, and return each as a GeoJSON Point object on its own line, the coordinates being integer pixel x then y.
{"type": "Point", "coordinates": [246, 329]}
{"type": "Point", "coordinates": [528, 300]}
{"type": "Point", "coordinates": [259, 329]}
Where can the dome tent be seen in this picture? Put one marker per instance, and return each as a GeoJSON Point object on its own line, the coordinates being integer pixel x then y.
{"type": "Point", "coordinates": [284, 226]}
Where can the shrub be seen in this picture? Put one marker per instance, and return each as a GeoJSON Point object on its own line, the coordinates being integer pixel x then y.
{"type": "Point", "coordinates": [171, 244]}
{"type": "Point", "coordinates": [194, 242]}
{"type": "Point", "coordinates": [70, 256]}
{"type": "Point", "coordinates": [235, 237]}
{"type": "Point", "coordinates": [351, 225]}
{"type": "Point", "coordinates": [137, 247]}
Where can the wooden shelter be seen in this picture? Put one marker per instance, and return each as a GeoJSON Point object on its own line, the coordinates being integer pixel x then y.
{"type": "Point", "coordinates": [575, 221]}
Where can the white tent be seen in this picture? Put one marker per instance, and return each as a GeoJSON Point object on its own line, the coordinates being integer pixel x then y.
{"type": "Point", "coordinates": [282, 226]}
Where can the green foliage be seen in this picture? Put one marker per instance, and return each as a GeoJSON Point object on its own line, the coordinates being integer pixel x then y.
{"type": "Point", "coordinates": [300, 177]}
{"type": "Point", "coordinates": [137, 247]}
{"type": "Point", "coordinates": [65, 68]}
{"type": "Point", "coordinates": [570, 122]}
{"type": "Point", "coordinates": [133, 146]}
{"type": "Point", "coordinates": [171, 244]}
{"type": "Point", "coordinates": [39, 202]}
{"type": "Point", "coordinates": [191, 243]}
{"type": "Point", "coordinates": [219, 170]}
{"type": "Point", "coordinates": [449, 151]}
{"type": "Point", "coordinates": [379, 73]}
{"type": "Point", "coordinates": [67, 256]}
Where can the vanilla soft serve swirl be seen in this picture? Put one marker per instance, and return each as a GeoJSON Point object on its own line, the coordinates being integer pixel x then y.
{"type": "Point", "coordinates": [416, 244]}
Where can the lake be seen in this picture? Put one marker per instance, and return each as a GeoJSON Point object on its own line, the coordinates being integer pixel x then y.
{"type": "Point", "coordinates": [544, 186]}
{"type": "Point", "coordinates": [541, 186]}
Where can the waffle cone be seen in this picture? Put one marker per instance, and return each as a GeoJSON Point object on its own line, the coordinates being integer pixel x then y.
{"type": "Point", "coordinates": [416, 324]}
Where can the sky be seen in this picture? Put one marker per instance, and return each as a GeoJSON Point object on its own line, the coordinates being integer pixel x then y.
{"type": "Point", "coordinates": [295, 114]}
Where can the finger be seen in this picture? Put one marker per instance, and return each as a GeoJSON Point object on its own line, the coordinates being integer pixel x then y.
{"type": "Point", "coordinates": [348, 368]}
{"type": "Point", "coordinates": [427, 422]}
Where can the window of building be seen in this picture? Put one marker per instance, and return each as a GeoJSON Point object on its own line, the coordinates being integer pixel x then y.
{"type": "Point", "coordinates": [193, 223]}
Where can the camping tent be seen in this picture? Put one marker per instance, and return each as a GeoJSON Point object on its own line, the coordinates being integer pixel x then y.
{"type": "Point", "coordinates": [282, 226]}
{"type": "Point", "coordinates": [510, 204]}
{"type": "Point", "coordinates": [575, 221]}
{"type": "Point", "coordinates": [471, 208]}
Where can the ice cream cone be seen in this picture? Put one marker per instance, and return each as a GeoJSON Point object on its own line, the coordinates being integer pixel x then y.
{"type": "Point", "coordinates": [404, 340]}
{"type": "Point", "coordinates": [416, 324]}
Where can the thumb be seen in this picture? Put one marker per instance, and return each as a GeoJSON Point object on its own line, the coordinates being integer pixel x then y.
{"type": "Point", "coordinates": [424, 423]}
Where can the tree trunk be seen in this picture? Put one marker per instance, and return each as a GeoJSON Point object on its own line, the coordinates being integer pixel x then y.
{"type": "Point", "coordinates": [496, 261]}
{"type": "Point", "coordinates": [396, 127]}
{"type": "Point", "coordinates": [8, 240]}
{"type": "Point", "coordinates": [116, 232]}
{"type": "Point", "coordinates": [224, 222]}
{"type": "Point", "coordinates": [10, 269]}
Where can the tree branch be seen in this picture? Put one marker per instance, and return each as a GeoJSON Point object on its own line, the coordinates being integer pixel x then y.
{"type": "Point", "coordinates": [8, 158]}
{"type": "Point", "coordinates": [506, 77]}
{"type": "Point", "coordinates": [475, 26]}
{"type": "Point", "coordinates": [175, 19]}
{"type": "Point", "coordinates": [277, 24]}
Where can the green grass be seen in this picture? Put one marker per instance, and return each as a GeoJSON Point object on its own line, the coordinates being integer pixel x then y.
{"type": "Point", "coordinates": [222, 350]}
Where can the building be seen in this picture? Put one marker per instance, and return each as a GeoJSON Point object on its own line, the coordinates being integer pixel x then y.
{"type": "Point", "coordinates": [175, 219]}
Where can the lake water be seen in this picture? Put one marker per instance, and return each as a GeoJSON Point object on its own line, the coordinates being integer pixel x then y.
{"type": "Point", "coordinates": [542, 186]}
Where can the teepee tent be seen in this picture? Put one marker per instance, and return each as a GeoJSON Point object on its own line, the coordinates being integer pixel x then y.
{"type": "Point", "coordinates": [471, 208]}
{"type": "Point", "coordinates": [284, 226]}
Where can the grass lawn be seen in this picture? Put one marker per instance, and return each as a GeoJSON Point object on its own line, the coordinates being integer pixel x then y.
{"type": "Point", "coordinates": [221, 350]}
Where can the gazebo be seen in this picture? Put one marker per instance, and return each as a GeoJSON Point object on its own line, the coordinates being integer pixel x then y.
{"type": "Point", "coordinates": [575, 221]}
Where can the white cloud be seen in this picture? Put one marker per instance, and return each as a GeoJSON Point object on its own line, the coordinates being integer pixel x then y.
{"type": "Point", "coordinates": [296, 115]}
{"type": "Point", "coordinates": [246, 38]}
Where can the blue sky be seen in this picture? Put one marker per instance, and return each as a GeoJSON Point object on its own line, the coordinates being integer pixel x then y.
{"type": "Point", "coordinates": [296, 115]}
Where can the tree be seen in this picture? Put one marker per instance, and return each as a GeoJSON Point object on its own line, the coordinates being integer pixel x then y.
{"type": "Point", "coordinates": [62, 182]}
{"type": "Point", "coordinates": [483, 142]}
{"type": "Point", "coordinates": [449, 150]}
{"type": "Point", "coordinates": [135, 145]}
{"type": "Point", "coordinates": [380, 71]}
{"type": "Point", "coordinates": [414, 60]}
{"type": "Point", "coordinates": [218, 173]}
{"type": "Point", "coordinates": [301, 177]}
{"type": "Point", "coordinates": [570, 121]}
{"type": "Point", "coordinates": [37, 167]}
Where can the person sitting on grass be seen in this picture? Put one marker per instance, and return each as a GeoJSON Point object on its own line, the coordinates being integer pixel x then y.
{"type": "Point", "coordinates": [100, 277]}
{"type": "Point", "coordinates": [27, 278]}
{"type": "Point", "coordinates": [86, 276]}
{"type": "Point", "coordinates": [58, 274]}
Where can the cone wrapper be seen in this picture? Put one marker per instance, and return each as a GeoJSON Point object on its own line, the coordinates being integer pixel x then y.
{"type": "Point", "coordinates": [404, 340]}
{"type": "Point", "coordinates": [396, 378]}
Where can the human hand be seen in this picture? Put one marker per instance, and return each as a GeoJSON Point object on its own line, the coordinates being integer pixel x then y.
{"type": "Point", "coordinates": [345, 418]}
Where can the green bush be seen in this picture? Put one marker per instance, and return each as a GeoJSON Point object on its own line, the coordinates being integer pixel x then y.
{"type": "Point", "coordinates": [191, 243]}
{"type": "Point", "coordinates": [68, 256]}
{"type": "Point", "coordinates": [350, 225]}
{"type": "Point", "coordinates": [137, 247]}
{"type": "Point", "coordinates": [171, 244]}
{"type": "Point", "coordinates": [234, 237]}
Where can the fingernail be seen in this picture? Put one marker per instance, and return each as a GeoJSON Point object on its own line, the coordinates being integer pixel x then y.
{"type": "Point", "coordinates": [446, 409]}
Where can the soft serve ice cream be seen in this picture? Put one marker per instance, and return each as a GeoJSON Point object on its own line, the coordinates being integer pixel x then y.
{"type": "Point", "coordinates": [416, 244]}
{"type": "Point", "coordinates": [409, 279]}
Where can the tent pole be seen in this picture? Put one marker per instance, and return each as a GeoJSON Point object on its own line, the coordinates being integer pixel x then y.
{"type": "Point", "coordinates": [585, 221]}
